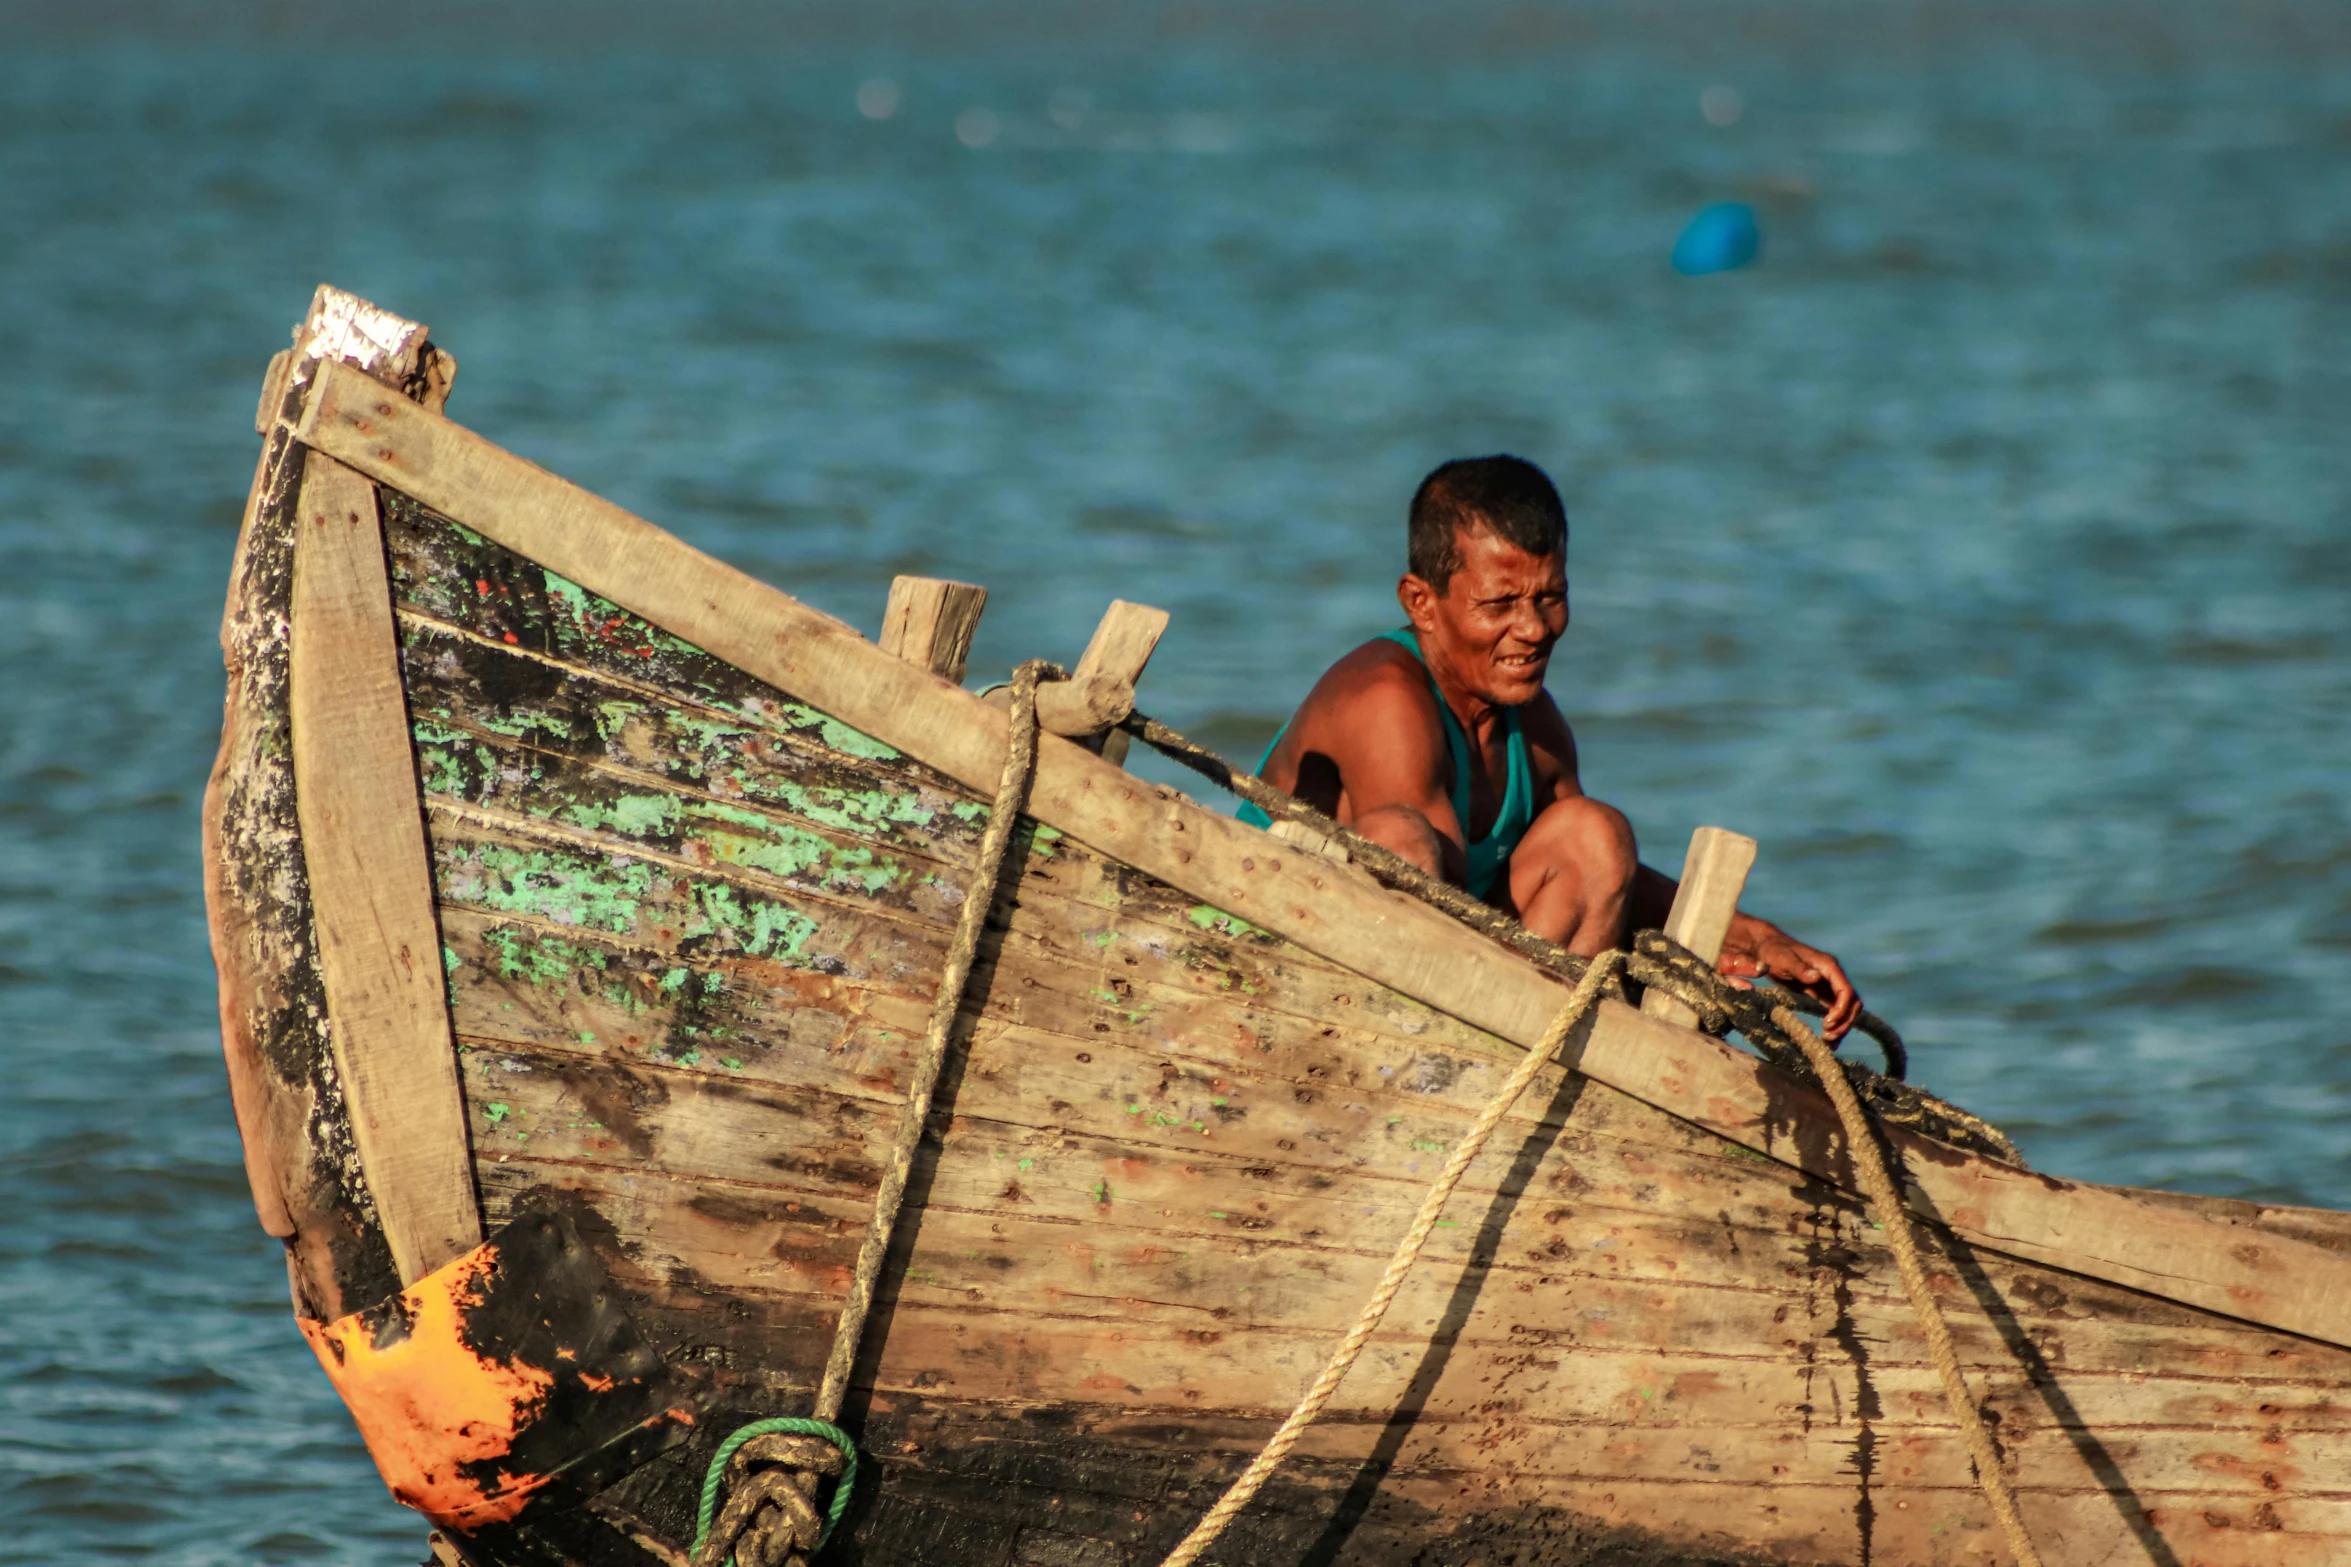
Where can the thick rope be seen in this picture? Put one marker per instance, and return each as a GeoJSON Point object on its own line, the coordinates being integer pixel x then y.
{"type": "Point", "coordinates": [1587, 993]}
{"type": "Point", "coordinates": [1012, 793]}
{"type": "Point", "coordinates": [1877, 1183]}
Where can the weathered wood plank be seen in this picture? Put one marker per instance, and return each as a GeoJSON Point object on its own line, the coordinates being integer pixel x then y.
{"type": "Point", "coordinates": [370, 882]}
{"type": "Point", "coordinates": [1324, 907]}
{"type": "Point", "coordinates": [1114, 1489]}
{"type": "Point", "coordinates": [930, 621]}
{"type": "Point", "coordinates": [1822, 1291]}
{"type": "Point", "coordinates": [307, 1184]}
{"type": "Point", "coordinates": [1714, 873]}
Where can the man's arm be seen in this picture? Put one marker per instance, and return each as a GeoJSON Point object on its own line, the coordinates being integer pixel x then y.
{"type": "Point", "coordinates": [1370, 749]}
{"type": "Point", "coordinates": [1757, 946]}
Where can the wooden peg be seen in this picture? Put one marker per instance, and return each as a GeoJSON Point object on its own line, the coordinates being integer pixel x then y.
{"type": "Point", "coordinates": [930, 621]}
{"type": "Point", "coordinates": [1122, 644]}
{"type": "Point", "coordinates": [1713, 875]}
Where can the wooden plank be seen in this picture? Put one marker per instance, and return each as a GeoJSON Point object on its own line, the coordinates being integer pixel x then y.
{"type": "Point", "coordinates": [1325, 907]}
{"type": "Point", "coordinates": [1714, 873]}
{"type": "Point", "coordinates": [1131, 1483]}
{"type": "Point", "coordinates": [370, 878]}
{"type": "Point", "coordinates": [930, 622]}
{"type": "Point", "coordinates": [1121, 645]}
{"type": "Point", "coordinates": [1654, 1252]}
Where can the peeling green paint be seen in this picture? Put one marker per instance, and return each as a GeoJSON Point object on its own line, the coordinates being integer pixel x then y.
{"type": "Point", "coordinates": [438, 770]}
{"type": "Point", "coordinates": [525, 725]}
{"type": "Point", "coordinates": [539, 959]}
{"type": "Point", "coordinates": [782, 850]}
{"type": "Point", "coordinates": [837, 735]}
{"type": "Point", "coordinates": [862, 811]}
{"type": "Point", "coordinates": [635, 815]}
{"type": "Point", "coordinates": [494, 1113]}
{"type": "Point", "coordinates": [1217, 920]}
{"type": "Point", "coordinates": [613, 716]}
{"type": "Point", "coordinates": [763, 927]}
{"type": "Point", "coordinates": [567, 888]}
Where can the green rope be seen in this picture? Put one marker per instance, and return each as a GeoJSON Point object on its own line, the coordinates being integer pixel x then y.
{"type": "Point", "coordinates": [715, 1481]}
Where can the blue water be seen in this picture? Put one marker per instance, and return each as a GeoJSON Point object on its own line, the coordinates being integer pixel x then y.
{"type": "Point", "coordinates": [1985, 551]}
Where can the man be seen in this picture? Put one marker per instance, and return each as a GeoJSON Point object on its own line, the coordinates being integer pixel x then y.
{"type": "Point", "coordinates": [1439, 742]}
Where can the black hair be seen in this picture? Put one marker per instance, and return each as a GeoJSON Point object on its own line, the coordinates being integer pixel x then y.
{"type": "Point", "coordinates": [1507, 496]}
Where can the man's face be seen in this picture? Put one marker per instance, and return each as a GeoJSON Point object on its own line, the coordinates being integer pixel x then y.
{"type": "Point", "coordinates": [1496, 622]}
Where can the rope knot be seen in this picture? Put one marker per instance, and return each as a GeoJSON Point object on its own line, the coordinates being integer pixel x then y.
{"type": "Point", "coordinates": [770, 1470]}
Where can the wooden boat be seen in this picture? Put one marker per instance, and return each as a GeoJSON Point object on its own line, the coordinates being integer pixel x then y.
{"type": "Point", "coordinates": [579, 901]}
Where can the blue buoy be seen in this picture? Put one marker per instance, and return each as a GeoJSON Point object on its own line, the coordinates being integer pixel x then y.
{"type": "Point", "coordinates": [1721, 239]}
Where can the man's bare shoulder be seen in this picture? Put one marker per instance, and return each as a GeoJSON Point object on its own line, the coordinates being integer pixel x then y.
{"type": "Point", "coordinates": [1377, 682]}
{"type": "Point", "coordinates": [1368, 734]}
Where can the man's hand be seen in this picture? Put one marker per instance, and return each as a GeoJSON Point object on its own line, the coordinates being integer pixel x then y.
{"type": "Point", "coordinates": [1756, 946]}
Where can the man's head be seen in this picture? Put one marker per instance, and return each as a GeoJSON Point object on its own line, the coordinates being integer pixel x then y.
{"type": "Point", "coordinates": [1487, 588]}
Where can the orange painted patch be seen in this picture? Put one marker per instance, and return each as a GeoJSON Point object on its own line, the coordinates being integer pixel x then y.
{"type": "Point", "coordinates": [427, 1404]}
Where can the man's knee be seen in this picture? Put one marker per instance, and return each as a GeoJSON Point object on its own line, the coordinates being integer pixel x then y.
{"type": "Point", "coordinates": [1405, 833]}
{"type": "Point", "coordinates": [1589, 836]}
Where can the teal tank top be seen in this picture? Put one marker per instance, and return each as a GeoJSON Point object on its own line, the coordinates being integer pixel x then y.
{"type": "Point", "coordinates": [1489, 856]}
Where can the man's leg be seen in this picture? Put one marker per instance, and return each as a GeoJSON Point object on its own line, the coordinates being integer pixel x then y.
{"type": "Point", "coordinates": [1571, 874]}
